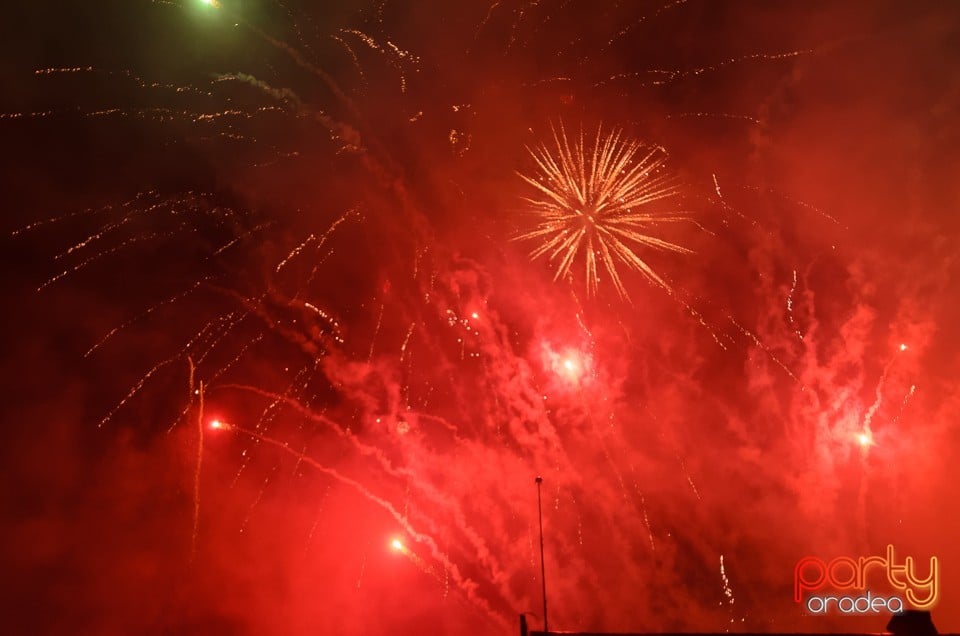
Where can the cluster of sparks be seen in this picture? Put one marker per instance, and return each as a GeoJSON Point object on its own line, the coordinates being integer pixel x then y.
{"type": "Point", "coordinates": [593, 202]}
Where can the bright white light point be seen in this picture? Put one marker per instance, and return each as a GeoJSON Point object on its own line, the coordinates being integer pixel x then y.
{"type": "Point", "coordinates": [475, 316]}
{"type": "Point", "coordinates": [568, 364]}
{"type": "Point", "coordinates": [903, 347]}
{"type": "Point", "coordinates": [864, 439]}
{"type": "Point", "coordinates": [216, 424]}
{"type": "Point", "coordinates": [396, 544]}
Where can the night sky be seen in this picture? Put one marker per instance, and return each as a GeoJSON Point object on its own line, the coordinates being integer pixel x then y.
{"type": "Point", "coordinates": [269, 310]}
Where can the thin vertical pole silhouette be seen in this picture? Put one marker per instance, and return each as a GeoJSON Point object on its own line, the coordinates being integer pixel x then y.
{"type": "Point", "coordinates": [543, 571]}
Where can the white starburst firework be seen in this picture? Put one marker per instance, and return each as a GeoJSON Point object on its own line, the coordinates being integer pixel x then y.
{"type": "Point", "coordinates": [593, 198]}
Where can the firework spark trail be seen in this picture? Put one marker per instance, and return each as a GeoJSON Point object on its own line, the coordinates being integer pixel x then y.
{"type": "Point", "coordinates": [69, 215]}
{"type": "Point", "coordinates": [727, 590]}
{"type": "Point", "coordinates": [679, 295]}
{"type": "Point", "coordinates": [705, 115]}
{"type": "Point", "coordinates": [126, 74]}
{"type": "Point", "coordinates": [320, 242]}
{"type": "Point", "coordinates": [729, 208]}
{"type": "Point", "coordinates": [353, 56]}
{"type": "Point", "coordinates": [272, 410]}
{"type": "Point", "coordinates": [260, 493]}
{"type": "Point", "coordinates": [646, 517]}
{"type": "Point", "coordinates": [224, 325]}
{"type": "Point", "coordinates": [589, 195]}
{"type": "Point", "coordinates": [311, 342]}
{"type": "Point", "coordinates": [415, 558]}
{"type": "Point", "coordinates": [797, 202]}
{"type": "Point", "coordinates": [372, 153]}
{"type": "Point", "coordinates": [759, 343]}
{"type": "Point", "coordinates": [878, 393]}
{"type": "Point", "coordinates": [108, 227]}
{"type": "Point", "coordinates": [363, 567]}
{"type": "Point", "coordinates": [144, 314]}
{"type": "Point", "coordinates": [240, 237]}
{"type": "Point", "coordinates": [376, 332]}
{"type": "Point", "coordinates": [668, 76]}
{"type": "Point", "coordinates": [279, 94]}
{"type": "Point", "coordinates": [793, 323]}
{"type": "Point", "coordinates": [189, 201]}
{"type": "Point", "coordinates": [640, 21]}
{"type": "Point", "coordinates": [903, 403]}
{"type": "Point", "coordinates": [199, 465]}
{"type": "Point", "coordinates": [157, 114]}
{"type": "Point", "coordinates": [338, 130]}
{"type": "Point", "coordinates": [179, 355]}
{"type": "Point", "coordinates": [395, 56]}
{"type": "Point", "coordinates": [686, 473]}
{"type": "Point", "coordinates": [316, 520]}
{"type": "Point", "coordinates": [466, 586]}
{"type": "Point", "coordinates": [134, 240]}
{"type": "Point", "coordinates": [478, 545]}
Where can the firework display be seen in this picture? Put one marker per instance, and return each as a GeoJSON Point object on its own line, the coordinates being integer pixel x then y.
{"type": "Point", "coordinates": [306, 296]}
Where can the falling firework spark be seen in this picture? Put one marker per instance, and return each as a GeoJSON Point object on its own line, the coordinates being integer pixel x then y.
{"type": "Point", "coordinates": [593, 199]}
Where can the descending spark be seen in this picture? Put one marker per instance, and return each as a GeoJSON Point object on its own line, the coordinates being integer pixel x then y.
{"type": "Point", "coordinates": [727, 590]}
{"type": "Point", "coordinates": [661, 77]}
{"type": "Point", "coordinates": [199, 464]}
{"type": "Point", "coordinates": [316, 520]}
{"type": "Point", "coordinates": [878, 393]}
{"type": "Point", "coordinates": [793, 289]}
{"type": "Point", "coordinates": [642, 19]}
{"type": "Point", "coordinates": [169, 301]}
{"type": "Point", "coordinates": [693, 486]}
{"type": "Point", "coordinates": [749, 118]}
{"type": "Point", "coordinates": [592, 199]}
{"type": "Point", "coordinates": [760, 344]}
{"type": "Point", "coordinates": [904, 402]}
{"type": "Point", "coordinates": [363, 568]}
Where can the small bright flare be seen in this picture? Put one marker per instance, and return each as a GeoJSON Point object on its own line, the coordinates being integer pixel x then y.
{"type": "Point", "coordinates": [475, 316]}
{"type": "Point", "coordinates": [217, 425]}
{"type": "Point", "coordinates": [570, 365]}
{"type": "Point", "coordinates": [903, 347]}
{"type": "Point", "coordinates": [593, 200]}
{"type": "Point", "coordinates": [864, 439]}
{"type": "Point", "coordinates": [396, 544]}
